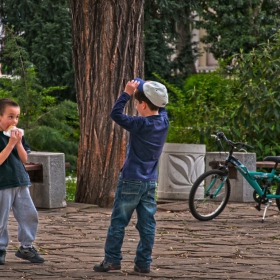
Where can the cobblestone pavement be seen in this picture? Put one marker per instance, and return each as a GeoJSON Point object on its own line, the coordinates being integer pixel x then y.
{"type": "Point", "coordinates": [236, 245]}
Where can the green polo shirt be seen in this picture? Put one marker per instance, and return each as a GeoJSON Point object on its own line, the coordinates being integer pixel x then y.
{"type": "Point", "coordinates": [12, 170]}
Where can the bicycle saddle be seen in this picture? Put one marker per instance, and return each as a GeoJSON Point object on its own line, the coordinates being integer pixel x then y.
{"type": "Point", "coordinates": [273, 158]}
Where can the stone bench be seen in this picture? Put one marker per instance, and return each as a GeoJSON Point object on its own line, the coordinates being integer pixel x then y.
{"type": "Point", "coordinates": [179, 167]}
{"type": "Point", "coordinates": [47, 175]}
{"type": "Point", "coordinates": [241, 191]}
{"type": "Point", "coordinates": [266, 164]}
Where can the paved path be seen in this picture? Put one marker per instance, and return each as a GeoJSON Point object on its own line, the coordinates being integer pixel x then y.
{"type": "Point", "coordinates": [236, 245]}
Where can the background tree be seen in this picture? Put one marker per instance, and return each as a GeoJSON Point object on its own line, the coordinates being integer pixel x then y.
{"type": "Point", "coordinates": [239, 24]}
{"type": "Point", "coordinates": [49, 125]}
{"type": "Point", "coordinates": [107, 52]}
{"type": "Point", "coordinates": [169, 50]}
{"type": "Point", "coordinates": [256, 119]}
{"type": "Point", "coordinates": [46, 29]}
{"type": "Point", "coordinates": [243, 103]}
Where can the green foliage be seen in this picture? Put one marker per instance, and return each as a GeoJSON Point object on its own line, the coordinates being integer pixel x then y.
{"type": "Point", "coordinates": [49, 125]}
{"type": "Point", "coordinates": [199, 108]}
{"type": "Point", "coordinates": [256, 119]}
{"type": "Point", "coordinates": [71, 184]}
{"type": "Point", "coordinates": [45, 27]}
{"type": "Point", "coordinates": [238, 24]}
{"type": "Point", "coordinates": [245, 104]}
{"type": "Point", "coordinates": [167, 26]}
{"type": "Point", "coordinates": [14, 57]}
{"type": "Point", "coordinates": [56, 130]}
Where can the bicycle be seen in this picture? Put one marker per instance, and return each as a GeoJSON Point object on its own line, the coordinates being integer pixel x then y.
{"type": "Point", "coordinates": [210, 193]}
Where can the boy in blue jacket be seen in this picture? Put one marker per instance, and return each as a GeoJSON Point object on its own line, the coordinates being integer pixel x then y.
{"type": "Point", "coordinates": [137, 182]}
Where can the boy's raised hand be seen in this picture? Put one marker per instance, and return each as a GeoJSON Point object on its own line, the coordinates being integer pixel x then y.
{"type": "Point", "coordinates": [131, 87]}
{"type": "Point", "coordinates": [16, 137]}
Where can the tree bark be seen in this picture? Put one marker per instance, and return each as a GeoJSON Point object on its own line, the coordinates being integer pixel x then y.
{"type": "Point", "coordinates": [107, 52]}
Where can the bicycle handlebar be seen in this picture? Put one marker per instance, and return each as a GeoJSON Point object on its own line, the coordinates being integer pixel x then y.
{"type": "Point", "coordinates": [221, 135]}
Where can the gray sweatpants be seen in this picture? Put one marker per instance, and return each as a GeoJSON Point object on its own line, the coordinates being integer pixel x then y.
{"type": "Point", "coordinates": [24, 211]}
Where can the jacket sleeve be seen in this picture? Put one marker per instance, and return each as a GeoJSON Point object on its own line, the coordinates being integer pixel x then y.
{"type": "Point", "coordinates": [127, 122]}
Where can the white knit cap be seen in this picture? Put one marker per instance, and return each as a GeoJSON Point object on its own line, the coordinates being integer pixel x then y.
{"type": "Point", "coordinates": [154, 91]}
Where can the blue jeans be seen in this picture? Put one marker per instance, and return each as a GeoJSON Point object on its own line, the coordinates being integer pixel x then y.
{"type": "Point", "coordinates": [132, 195]}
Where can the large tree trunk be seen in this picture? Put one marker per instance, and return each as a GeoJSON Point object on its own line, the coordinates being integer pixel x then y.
{"type": "Point", "coordinates": [107, 52]}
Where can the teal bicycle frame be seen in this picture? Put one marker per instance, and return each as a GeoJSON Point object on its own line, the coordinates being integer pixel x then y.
{"type": "Point", "coordinates": [252, 177]}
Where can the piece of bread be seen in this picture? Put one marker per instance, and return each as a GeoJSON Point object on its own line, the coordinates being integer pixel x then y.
{"type": "Point", "coordinates": [10, 127]}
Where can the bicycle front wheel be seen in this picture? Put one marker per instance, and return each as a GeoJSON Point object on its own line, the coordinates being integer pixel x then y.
{"type": "Point", "coordinates": [204, 203]}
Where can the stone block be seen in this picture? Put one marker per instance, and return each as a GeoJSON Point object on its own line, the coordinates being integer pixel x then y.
{"type": "Point", "coordinates": [241, 191]}
{"type": "Point", "coordinates": [179, 167]}
{"type": "Point", "coordinates": [51, 192]}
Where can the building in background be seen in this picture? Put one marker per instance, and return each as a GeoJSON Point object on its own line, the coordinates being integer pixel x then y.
{"type": "Point", "coordinates": [206, 61]}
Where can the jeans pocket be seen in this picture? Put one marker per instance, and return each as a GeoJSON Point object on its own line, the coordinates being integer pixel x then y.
{"type": "Point", "coordinates": [152, 189]}
{"type": "Point", "coordinates": [130, 191]}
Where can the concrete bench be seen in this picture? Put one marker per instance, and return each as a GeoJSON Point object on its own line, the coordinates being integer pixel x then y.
{"type": "Point", "coordinates": [266, 164]}
{"type": "Point", "coordinates": [241, 191]}
{"type": "Point", "coordinates": [35, 171]}
{"type": "Point", "coordinates": [47, 174]}
{"type": "Point", "coordinates": [179, 167]}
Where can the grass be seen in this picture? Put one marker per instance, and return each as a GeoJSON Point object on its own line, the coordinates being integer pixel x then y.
{"type": "Point", "coordinates": [71, 183]}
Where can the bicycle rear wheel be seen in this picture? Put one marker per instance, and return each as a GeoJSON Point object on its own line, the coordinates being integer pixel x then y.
{"type": "Point", "coordinates": [202, 204]}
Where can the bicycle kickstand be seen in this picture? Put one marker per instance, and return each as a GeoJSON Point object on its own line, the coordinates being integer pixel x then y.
{"type": "Point", "coordinates": [267, 205]}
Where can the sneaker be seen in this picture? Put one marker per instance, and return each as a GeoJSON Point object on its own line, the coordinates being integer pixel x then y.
{"type": "Point", "coordinates": [2, 256]}
{"type": "Point", "coordinates": [29, 254]}
{"type": "Point", "coordinates": [106, 266]}
{"type": "Point", "coordinates": [141, 270]}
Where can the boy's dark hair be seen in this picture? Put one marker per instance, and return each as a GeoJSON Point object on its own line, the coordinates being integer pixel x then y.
{"type": "Point", "coordinates": [5, 102]}
{"type": "Point", "coordinates": [140, 96]}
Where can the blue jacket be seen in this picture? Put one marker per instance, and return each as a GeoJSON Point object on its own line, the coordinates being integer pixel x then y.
{"type": "Point", "coordinates": [147, 137]}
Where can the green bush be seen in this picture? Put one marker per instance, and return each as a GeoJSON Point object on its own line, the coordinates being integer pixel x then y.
{"type": "Point", "coordinates": [244, 103]}
{"type": "Point", "coordinates": [49, 125]}
{"type": "Point", "coordinates": [256, 119]}
{"type": "Point", "coordinates": [71, 184]}
{"type": "Point", "coordinates": [199, 108]}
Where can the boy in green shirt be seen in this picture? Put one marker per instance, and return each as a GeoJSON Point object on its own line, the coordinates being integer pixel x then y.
{"type": "Point", "coordinates": [14, 185]}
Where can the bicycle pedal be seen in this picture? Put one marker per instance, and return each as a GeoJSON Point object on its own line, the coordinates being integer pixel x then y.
{"type": "Point", "coordinates": [258, 207]}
